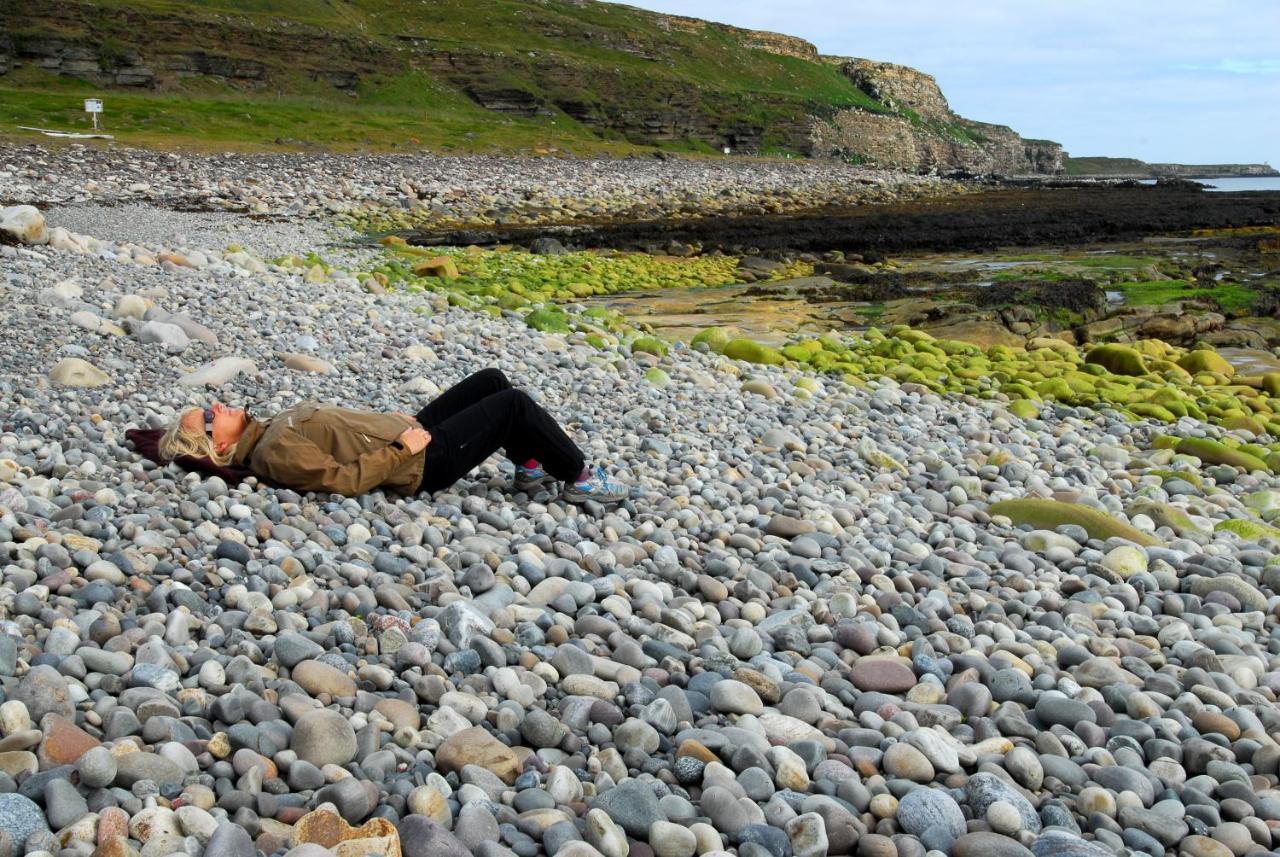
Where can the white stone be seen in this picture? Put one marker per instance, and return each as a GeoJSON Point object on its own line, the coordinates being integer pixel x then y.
{"type": "Point", "coordinates": [130, 306]}
{"type": "Point", "coordinates": [96, 323]}
{"type": "Point", "coordinates": [171, 336]}
{"type": "Point", "coordinates": [23, 224]}
{"type": "Point", "coordinates": [218, 372]}
{"type": "Point", "coordinates": [74, 372]}
{"type": "Point", "coordinates": [307, 363]}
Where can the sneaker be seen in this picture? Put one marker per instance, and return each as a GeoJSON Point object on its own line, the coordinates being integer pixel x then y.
{"type": "Point", "coordinates": [599, 487]}
{"type": "Point", "coordinates": [529, 478]}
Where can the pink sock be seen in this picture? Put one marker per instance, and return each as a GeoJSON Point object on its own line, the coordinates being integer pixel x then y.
{"type": "Point", "coordinates": [585, 475]}
{"type": "Point", "coordinates": [531, 464]}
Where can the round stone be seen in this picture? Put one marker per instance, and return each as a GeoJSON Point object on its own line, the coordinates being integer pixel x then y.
{"type": "Point", "coordinates": [324, 737]}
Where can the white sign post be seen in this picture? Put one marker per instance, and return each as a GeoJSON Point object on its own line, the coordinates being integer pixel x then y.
{"type": "Point", "coordinates": [93, 106]}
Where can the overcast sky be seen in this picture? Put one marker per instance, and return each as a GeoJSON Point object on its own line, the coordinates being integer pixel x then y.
{"type": "Point", "coordinates": [1160, 80]}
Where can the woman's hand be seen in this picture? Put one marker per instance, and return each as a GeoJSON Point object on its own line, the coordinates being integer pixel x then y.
{"type": "Point", "coordinates": [415, 439]}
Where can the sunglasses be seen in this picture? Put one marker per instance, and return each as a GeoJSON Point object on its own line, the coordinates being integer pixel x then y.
{"type": "Point", "coordinates": [208, 421]}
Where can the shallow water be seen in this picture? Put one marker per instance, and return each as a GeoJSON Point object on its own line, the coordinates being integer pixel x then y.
{"type": "Point", "coordinates": [1242, 183]}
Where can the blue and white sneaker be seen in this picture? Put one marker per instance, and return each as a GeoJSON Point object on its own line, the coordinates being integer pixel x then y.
{"type": "Point", "coordinates": [598, 487]}
{"type": "Point", "coordinates": [529, 478]}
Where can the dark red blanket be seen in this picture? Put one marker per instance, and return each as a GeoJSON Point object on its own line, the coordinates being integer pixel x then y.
{"type": "Point", "coordinates": [147, 442]}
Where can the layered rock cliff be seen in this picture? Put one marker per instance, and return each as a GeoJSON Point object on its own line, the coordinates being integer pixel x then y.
{"type": "Point", "coordinates": [618, 71]}
{"type": "Point", "coordinates": [919, 132]}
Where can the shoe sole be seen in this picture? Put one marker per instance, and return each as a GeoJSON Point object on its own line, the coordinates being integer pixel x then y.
{"type": "Point", "coordinates": [569, 497]}
{"type": "Point", "coordinates": [536, 483]}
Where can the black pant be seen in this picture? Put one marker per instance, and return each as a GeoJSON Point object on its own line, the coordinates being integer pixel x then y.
{"type": "Point", "coordinates": [482, 414]}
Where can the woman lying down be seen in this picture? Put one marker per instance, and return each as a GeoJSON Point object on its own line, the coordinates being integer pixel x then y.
{"type": "Point", "coordinates": [313, 447]}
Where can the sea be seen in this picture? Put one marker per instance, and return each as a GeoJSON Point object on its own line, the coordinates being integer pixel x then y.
{"type": "Point", "coordinates": [1235, 184]}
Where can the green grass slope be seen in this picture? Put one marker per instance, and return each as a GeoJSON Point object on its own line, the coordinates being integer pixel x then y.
{"type": "Point", "coordinates": [594, 76]}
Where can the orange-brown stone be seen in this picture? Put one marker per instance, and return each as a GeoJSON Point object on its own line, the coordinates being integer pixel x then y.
{"type": "Point", "coordinates": [690, 747]}
{"type": "Point", "coordinates": [328, 829]}
{"type": "Point", "coordinates": [64, 742]}
{"type": "Point", "coordinates": [475, 746]}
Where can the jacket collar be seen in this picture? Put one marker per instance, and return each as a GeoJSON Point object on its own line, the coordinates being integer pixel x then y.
{"type": "Point", "coordinates": [244, 447]}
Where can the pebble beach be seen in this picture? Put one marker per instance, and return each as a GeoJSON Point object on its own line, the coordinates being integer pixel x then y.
{"type": "Point", "coordinates": [832, 619]}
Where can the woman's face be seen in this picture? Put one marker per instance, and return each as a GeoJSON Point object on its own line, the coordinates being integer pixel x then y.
{"type": "Point", "coordinates": [224, 425]}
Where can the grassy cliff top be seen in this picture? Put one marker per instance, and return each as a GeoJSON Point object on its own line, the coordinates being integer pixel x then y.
{"type": "Point", "coordinates": [417, 62]}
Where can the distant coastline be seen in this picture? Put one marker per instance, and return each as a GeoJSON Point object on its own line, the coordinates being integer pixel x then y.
{"type": "Point", "coordinates": [1132, 168]}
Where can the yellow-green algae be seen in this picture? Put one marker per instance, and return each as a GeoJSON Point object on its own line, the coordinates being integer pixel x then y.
{"type": "Point", "coordinates": [1051, 514]}
{"type": "Point", "coordinates": [1148, 379]}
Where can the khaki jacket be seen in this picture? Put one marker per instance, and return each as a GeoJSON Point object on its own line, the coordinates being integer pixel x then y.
{"type": "Point", "coordinates": [314, 447]}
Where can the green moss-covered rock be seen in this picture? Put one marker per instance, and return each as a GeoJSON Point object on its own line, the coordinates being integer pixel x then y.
{"type": "Point", "coordinates": [1205, 360]}
{"type": "Point", "coordinates": [1153, 411]}
{"type": "Point", "coordinates": [1050, 514]}
{"type": "Point", "coordinates": [1237, 587]}
{"type": "Point", "coordinates": [1024, 409]}
{"type": "Point", "coordinates": [1244, 423]}
{"type": "Point", "coordinates": [1212, 452]}
{"type": "Point", "coordinates": [1249, 530]}
{"type": "Point", "coordinates": [753, 352]}
{"type": "Point", "coordinates": [1055, 388]}
{"type": "Point", "coordinates": [1117, 359]}
{"type": "Point", "coordinates": [808, 384]}
{"type": "Point", "coordinates": [547, 319]}
{"type": "Point", "coordinates": [657, 377]}
{"type": "Point", "coordinates": [1185, 475]}
{"type": "Point", "coordinates": [649, 345]}
{"type": "Point", "coordinates": [797, 352]}
{"type": "Point", "coordinates": [716, 338]}
{"type": "Point", "coordinates": [1166, 515]}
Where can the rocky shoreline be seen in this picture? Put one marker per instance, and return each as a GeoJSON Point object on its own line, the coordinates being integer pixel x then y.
{"type": "Point", "coordinates": [388, 192]}
{"type": "Point", "coordinates": [844, 613]}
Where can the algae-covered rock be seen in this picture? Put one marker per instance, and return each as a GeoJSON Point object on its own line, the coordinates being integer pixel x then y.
{"type": "Point", "coordinates": [1153, 411]}
{"type": "Point", "coordinates": [716, 338]}
{"type": "Point", "coordinates": [657, 377]}
{"type": "Point", "coordinates": [1249, 530]}
{"type": "Point", "coordinates": [1024, 409]}
{"type": "Point", "coordinates": [1204, 360]}
{"type": "Point", "coordinates": [439, 266]}
{"type": "Point", "coordinates": [1212, 452]}
{"type": "Point", "coordinates": [548, 319]}
{"type": "Point", "coordinates": [873, 454]}
{"type": "Point", "coordinates": [802, 352]}
{"type": "Point", "coordinates": [1117, 359]}
{"type": "Point", "coordinates": [753, 352]}
{"type": "Point", "coordinates": [649, 345]}
{"type": "Point", "coordinates": [1240, 422]}
{"type": "Point", "coordinates": [1166, 515]}
{"type": "Point", "coordinates": [1050, 514]}
{"type": "Point", "coordinates": [760, 387]}
{"type": "Point", "coordinates": [1237, 587]}
{"type": "Point", "coordinates": [1125, 561]}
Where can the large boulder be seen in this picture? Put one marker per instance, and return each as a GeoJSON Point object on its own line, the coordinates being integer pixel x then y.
{"type": "Point", "coordinates": [22, 224]}
{"type": "Point", "coordinates": [1205, 360]}
{"type": "Point", "coordinates": [1118, 359]}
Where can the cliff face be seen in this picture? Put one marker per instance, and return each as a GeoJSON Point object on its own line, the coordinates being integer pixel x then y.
{"type": "Point", "coordinates": [923, 134]}
{"type": "Point", "coordinates": [754, 90]}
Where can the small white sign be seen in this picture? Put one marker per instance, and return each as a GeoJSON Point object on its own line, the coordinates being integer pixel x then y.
{"type": "Point", "coordinates": [93, 105]}
{"type": "Point", "coordinates": [726, 150]}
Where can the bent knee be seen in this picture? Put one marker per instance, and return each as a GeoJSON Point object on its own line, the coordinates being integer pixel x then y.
{"type": "Point", "coordinates": [494, 376]}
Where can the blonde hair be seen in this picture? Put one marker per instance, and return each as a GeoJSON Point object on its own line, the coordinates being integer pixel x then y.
{"type": "Point", "coordinates": [178, 440]}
